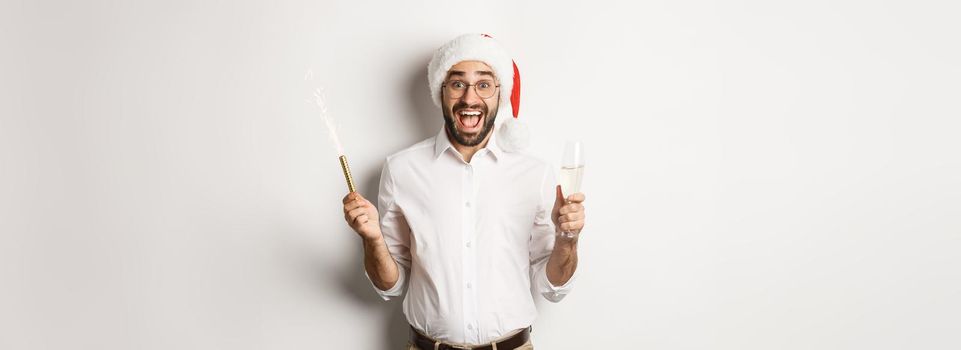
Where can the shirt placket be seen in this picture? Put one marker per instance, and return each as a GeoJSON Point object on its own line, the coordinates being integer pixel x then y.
{"type": "Point", "coordinates": [469, 261]}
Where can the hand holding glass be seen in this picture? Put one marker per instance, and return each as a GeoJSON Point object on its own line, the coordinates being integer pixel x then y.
{"type": "Point", "coordinates": [572, 171]}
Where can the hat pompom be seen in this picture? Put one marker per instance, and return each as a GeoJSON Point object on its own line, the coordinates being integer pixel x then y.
{"type": "Point", "coordinates": [513, 135]}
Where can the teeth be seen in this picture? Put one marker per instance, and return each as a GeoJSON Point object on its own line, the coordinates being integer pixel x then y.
{"type": "Point", "coordinates": [470, 113]}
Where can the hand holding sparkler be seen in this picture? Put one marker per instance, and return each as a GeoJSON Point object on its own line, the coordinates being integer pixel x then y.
{"type": "Point", "coordinates": [362, 216]}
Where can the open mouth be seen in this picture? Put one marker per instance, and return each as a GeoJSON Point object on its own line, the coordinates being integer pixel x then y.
{"type": "Point", "coordinates": [470, 119]}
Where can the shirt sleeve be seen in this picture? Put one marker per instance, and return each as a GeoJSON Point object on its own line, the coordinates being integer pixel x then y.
{"type": "Point", "coordinates": [542, 243]}
{"type": "Point", "coordinates": [396, 233]}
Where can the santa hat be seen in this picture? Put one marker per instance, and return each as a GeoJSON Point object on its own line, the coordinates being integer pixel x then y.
{"type": "Point", "coordinates": [512, 134]}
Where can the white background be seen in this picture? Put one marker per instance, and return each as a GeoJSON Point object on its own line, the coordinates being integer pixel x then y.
{"type": "Point", "coordinates": [761, 175]}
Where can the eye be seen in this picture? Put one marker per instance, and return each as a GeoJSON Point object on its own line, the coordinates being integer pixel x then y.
{"type": "Point", "coordinates": [484, 85]}
{"type": "Point", "coordinates": [457, 84]}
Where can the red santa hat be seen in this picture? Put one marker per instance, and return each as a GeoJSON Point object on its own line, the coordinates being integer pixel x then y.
{"type": "Point", "coordinates": [512, 135]}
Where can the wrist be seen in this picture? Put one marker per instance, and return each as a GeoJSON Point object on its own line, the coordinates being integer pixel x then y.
{"type": "Point", "coordinates": [563, 241]}
{"type": "Point", "coordinates": [374, 241]}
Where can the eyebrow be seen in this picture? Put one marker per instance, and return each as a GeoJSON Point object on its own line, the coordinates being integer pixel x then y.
{"type": "Point", "coordinates": [462, 73]}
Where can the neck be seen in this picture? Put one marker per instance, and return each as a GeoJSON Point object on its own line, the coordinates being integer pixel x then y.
{"type": "Point", "coordinates": [468, 151]}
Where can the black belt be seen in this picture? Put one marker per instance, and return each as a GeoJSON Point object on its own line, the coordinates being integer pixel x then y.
{"type": "Point", "coordinates": [424, 343]}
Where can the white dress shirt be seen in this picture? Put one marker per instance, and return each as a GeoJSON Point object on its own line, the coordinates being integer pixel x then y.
{"type": "Point", "coordinates": [473, 237]}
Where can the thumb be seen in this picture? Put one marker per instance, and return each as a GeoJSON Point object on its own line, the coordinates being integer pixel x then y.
{"type": "Point", "coordinates": [559, 199]}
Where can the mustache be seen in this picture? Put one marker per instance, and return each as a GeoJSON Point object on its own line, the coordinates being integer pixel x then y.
{"type": "Point", "coordinates": [463, 105]}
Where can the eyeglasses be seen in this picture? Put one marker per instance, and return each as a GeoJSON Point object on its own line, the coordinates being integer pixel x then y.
{"type": "Point", "coordinates": [484, 88]}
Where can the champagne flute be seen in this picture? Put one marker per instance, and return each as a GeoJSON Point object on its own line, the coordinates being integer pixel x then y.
{"type": "Point", "coordinates": [572, 172]}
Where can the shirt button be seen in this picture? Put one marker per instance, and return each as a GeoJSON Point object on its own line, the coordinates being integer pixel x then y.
{"type": "Point", "coordinates": [470, 327]}
{"type": "Point", "coordinates": [468, 285]}
{"type": "Point", "coordinates": [467, 204]}
{"type": "Point", "coordinates": [468, 244]}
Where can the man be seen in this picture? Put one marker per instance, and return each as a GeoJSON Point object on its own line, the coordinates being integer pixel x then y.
{"type": "Point", "coordinates": [475, 226]}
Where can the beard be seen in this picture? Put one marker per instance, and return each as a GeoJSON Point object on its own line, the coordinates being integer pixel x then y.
{"type": "Point", "coordinates": [469, 140]}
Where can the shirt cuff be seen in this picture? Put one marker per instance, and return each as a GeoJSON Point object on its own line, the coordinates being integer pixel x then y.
{"type": "Point", "coordinates": [551, 292]}
{"type": "Point", "coordinates": [394, 291]}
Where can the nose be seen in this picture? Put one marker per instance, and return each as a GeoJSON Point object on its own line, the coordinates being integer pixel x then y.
{"type": "Point", "coordinates": [471, 97]}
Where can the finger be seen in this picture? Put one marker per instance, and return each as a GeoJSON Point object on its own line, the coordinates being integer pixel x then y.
{"type": "Point", "coordinates": [571, 208]}
{"type": "Point", "coordinates": [352, 219]}
{"type": "Point", "coordinates": [352, 196]}
{"type": "Point", "coordinates": [361, 219]}
{"type": "Point", "coordinates": [353, 205]}
{"type": "Point", "coordinates": [574, 226]}
{"type": "Point", "coordinates": [568, 218]}
{"type": "Point", "coordinates": [353, 214]}
{"type": "Point", "coordinates": [350, 215]}
{"type": "Point", "coordinates": [573, 217]}
{"type": "Point", "coordinates": [559, 198]}
{"type": "Point", "coordinates": [577, 226]}
{"type": "Point", "coordinates": [576, 198]}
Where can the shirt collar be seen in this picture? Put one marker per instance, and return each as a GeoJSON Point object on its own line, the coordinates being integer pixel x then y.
{"type": "Point", "coordinates": [442, 143]}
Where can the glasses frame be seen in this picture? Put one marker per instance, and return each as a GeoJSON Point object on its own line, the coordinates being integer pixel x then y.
{"type": "Point", "coordinates": [496, 87]}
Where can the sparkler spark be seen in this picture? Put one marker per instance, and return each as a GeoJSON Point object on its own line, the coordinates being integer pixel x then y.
{"type": "Point", "coordinates": [319, 99]}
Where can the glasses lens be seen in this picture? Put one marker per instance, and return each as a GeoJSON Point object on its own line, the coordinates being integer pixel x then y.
{"type": "Point", "coordinates": [455, 89]}
{"type": "Point", "coordinates": [485, 88]}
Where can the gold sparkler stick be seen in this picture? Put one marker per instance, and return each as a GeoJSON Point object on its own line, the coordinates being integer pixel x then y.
{"type": "Point", "coordinates": [350, 179]}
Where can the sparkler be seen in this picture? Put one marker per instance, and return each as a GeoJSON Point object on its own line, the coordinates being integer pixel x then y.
{"type": "Point", "coordinates": [320, 101]}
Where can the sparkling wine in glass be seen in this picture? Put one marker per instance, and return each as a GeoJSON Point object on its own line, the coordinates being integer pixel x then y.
{"type": "Point", "coordinates": [572, 172]}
